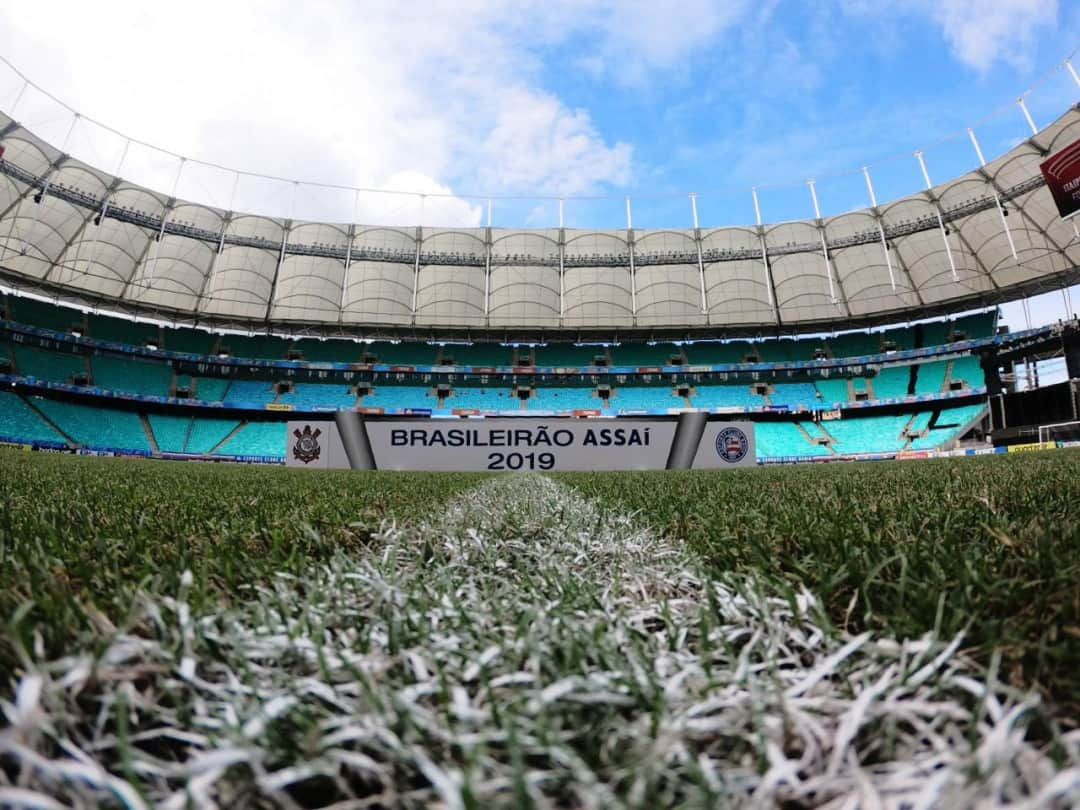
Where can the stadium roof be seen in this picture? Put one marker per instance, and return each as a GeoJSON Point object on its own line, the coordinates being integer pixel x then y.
{"type": "Point", "coordinates": [75, 233]}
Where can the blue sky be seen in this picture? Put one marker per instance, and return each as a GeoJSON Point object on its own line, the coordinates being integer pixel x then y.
{"type": "Point", "coordinates": [591, 98]}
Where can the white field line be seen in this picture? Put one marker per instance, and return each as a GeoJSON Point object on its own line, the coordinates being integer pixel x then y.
{"type": "Point", "coordinates": [525, 647]}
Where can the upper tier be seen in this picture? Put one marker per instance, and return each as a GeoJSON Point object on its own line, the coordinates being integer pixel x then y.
{"type": "Point", "coordinates": [88, 237]}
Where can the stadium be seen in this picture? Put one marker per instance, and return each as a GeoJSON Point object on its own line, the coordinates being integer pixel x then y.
{"type": "Point", "coordinates": [190, 621]}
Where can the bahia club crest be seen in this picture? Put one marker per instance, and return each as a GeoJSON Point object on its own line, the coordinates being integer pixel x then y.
{"type": "Point", "coordinates": [731, 445]}
{"type": "Point", "coordinates": [307, 447]}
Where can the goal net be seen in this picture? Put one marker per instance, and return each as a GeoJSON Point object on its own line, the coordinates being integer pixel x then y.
{"type": "Point", "coordinates": [1062, 434]}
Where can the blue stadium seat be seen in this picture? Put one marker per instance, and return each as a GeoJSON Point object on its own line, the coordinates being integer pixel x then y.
{"type": "Point", "coordinates": [206, 434]}
{"type": "Point", "coordinates": [400, 396]}
{"type": "Point", "coordinates": [726, 396]}
{"type": "Point", "coordinates": [641, 397]}
{"type": "Point", "coordinates": [489, 399]}
{"type": "Point", "coordinates": [256, 439]}
{"type": "Point", "coordinates": [170, 432]}
{"type": "Point", "coordinates": [319, 395]}
{"type": "Point", "coordinates": [44, 365]}
{"type": "Point", "coordinates": [779, 439]}
{"type": "Point", "coordinates": [564, 399]}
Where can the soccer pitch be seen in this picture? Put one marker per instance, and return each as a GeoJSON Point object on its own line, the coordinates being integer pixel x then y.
{"type": "Point", "coordinates": [201, 635]}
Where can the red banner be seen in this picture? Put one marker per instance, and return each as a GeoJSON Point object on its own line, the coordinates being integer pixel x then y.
{"type": "Point", "coordinates": [1062, 173]}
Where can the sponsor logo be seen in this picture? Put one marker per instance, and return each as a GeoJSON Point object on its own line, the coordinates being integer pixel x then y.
{"type": "Point", "coordinates": [307, 447]}
{"type": "Point", "coordinates": [732, 445]}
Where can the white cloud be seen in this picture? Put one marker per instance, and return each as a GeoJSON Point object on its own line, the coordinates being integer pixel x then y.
{"type": "Point", "coordinates": [984, 32]}
{"type": "Point", "coordinates": [447, 96]}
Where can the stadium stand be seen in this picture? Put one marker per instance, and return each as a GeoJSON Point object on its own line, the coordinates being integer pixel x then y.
{"type": "Point", "coordinates": [45, 316]}
{"type": "Point", "coordinates": [319, 395]}
{"type": "Point", "coordinates": [489, 355]}
{"type": "Point", "coordinates": [206, 434]}
{"type": "Point", "coordinates": [638, 355]}
{"type": "Point", "coordinates": [489, 398]}
{"type": "Point", "coordinates": [565, 355]}
{"type": "Point", "coordinates": [400, 396]}
{"type": "Point", "coordinates": [130, 375]}
{"type": "Point", "coordinates": [794, 395]}
{"type": "Point", "coordinates": [565, 399]}
{"type": "Point", "coordinates": [58, 367]}
{"type": "Point", "coordinates": [931, 377]}
{"type": "Point", "coordinates": [867, 434]}
{"type": "Point", "coordinates": [784, 439]}
{"type": "Point", "coordinates": [170, 432]}
{"type": "Point", "coordinates": [255, 439]}
{"type": "Point", "coordinates": [20, 422]}
{"type": "Point", "coordinates": [638, 397]}
{"type": "Point", "coordinates": [254, 391]}
{"type": "Point", "coordinates": [211, 389]}
{"type": "Point", "coordinates": [117, 330]}
{"type": "Point", "coordinates": [327, 351]}
{"type": "Point", "coordinates": [400, 354]}
{"type": "Point", "coordinates": [193, 341]}
{"type": "Point", "coordinates": [264, 347]}
{"type": "Point", "coordinates": [892, 382]}
{"type": "Point", "coordinates": [726, 396]}
{"type": "Point", "coordinates": [968, 370]}
{"type": "Point", "coordinates": [96, 427]}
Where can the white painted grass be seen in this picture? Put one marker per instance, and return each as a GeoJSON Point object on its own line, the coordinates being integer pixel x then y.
{"type": "Point", "coordinates": [525, 647]}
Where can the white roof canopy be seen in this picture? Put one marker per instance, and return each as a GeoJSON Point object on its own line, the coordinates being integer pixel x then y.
{"type": "Point", "coordinates": [76, 233]}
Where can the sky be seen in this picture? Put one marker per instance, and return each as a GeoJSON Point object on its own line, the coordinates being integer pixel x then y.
{"type": "Point", "coordinates": [524, 102]}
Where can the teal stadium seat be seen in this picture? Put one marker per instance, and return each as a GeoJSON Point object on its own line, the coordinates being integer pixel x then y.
{"type": "Point", "coordinates": [780, 439]}
{"type": "Point", "coordinates": [211, 389]}
{"type": "Point", "coordinates": [566, 355]}
{"type": "Point", "coordinates": [931, 377]}
{"type": "Point", "coordinates": [892, 382]}
{"type": "Point", "coordinates": [131, 376]}
{"type": "Point", "coordinates": [726, 396]}
{"type": "Point", "coordinates": [44, 365]}
{"type": "Point", "coordinates": [192, 341]}
{"type": "Point", "coordinates": [19, 422]}
{"type": "Point", "coordinates": [489, 398]}
{"type": "Point", "coordinates": [969, 370]}
{"type": "Point", "coordinates": [206, 434]}
{"type": "Point", "coordinates": [868, 434]}
{"type": "Point", "coordinates": [258, 392]}
{"type": "Point", "coordinates": [100, 428]}
{"type": "Point", "coordinates": [328, 351]}
{"type": "Point", "coordinates": [256, 439]}
{"type": "Point", "coordinates": [834, 391]}
{"type": "Point", "coordinates": [638, 355]}
{"type": "Point", "coordinates": [44, 316]}
{"type": "Point", "coordinates": [400, 396]}
{"type": "Point", "coordinates": [794, 395]}
{"type": "Point", "coordinates": [119, 330]}
{"type": "Point", "coordinates": [489, 355]}
{"type": "Point", "coordinates": [565, 399]}
{"type": "Point", "coordinates": [170, 432]}
{"type": "Point", "coordinates": [400, 354]}
{"type": "Point", "coordinates": [642, 397]}
{"type": "Point", "coordinates": [258, 347]}
{"type": "Point", "coordinates": [319, 395]}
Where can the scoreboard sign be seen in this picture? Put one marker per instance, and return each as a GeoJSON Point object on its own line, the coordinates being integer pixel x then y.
{"type": "Point", "coordinates": [520, 443]}
{"type": "Point", "coordinates": [1062, 174]}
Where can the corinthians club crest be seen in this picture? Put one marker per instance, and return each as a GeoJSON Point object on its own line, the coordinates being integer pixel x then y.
{"type": "Point", "coordinates": [307, 447]}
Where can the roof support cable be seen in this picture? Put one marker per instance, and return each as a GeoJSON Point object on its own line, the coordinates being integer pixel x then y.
{"type": "Point", "coordinates": [164, 221]}
{"type": "Point", "coordinates": [824, 245]}
{"type": "Point", "coordinates": [700, 259]}
{"type": "Point", "coordinates": [880, 228]}
{"type": "Point", "coordinates": [105, 203]}
{"type": "Point", "coordinates": [40, 196]}
{"type": "Point", "coordinates": [937, 210]}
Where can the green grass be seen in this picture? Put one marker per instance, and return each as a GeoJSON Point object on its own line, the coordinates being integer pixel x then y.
{"type": "Point", "coordinates": [990, 544]}
{"type": "Point", "coordinates": [80, 531]}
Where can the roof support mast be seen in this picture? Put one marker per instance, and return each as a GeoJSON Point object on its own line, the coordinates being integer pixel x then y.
{"type": "Point", "coordinates": [937, 210]}
{"type": "Point", "coordinates": [880, 227]}
{"type": "Point", "coordinates": [765, 256]}
{"type": "Point", "coordinates": [824, 245]}
{"type": "Point", "coordinates": [700, 259]}
{"type": "Point", "coordinates": [286, 227]}
{"type": "Point", "coordinates": [562, 263]}
{"type": "Point", "coordinates": [348, 256]}
{"type": "Point", "coordinates": [416, 262]}
{"type": "Point", "coordinates": [1001, 214]}
{"type": "Point", "coordinates": [487, 265]}
{"type": "Point", "coordinates": [633, 274]}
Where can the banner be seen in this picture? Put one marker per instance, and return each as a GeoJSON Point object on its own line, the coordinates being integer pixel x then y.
{"type": "Point", "coordinates": [520, 444]}
{"type": "Point", "coordinates": [1062, 174]}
